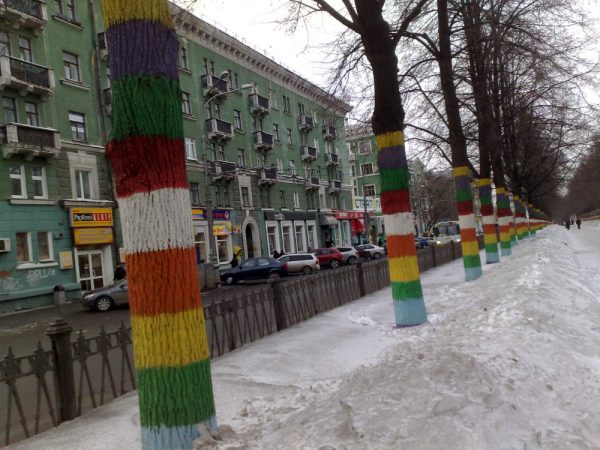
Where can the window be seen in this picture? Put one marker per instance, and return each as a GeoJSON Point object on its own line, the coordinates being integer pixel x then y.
{"type": "Point", "coordinates": [316, 144]}
{"type": "Point", "coordinates": [190, 148]}
{"type": "Point", "coordinates": [82, 180]}
{"type": "Point", "coordinates": [212, 67]}
{"type": "Point", "coordinates": [282, 199]}
{"type": "Point", "coordinates": [200, 244]}
{"type": "Point", "coordinates": [276, 132]}
{"type": "Point", "coordinates": [287, 107]}
{"type": "Point", "coordinates": [4, 43]}
{"type": "Point", "coordinates": [223, 244]}
{"type": "Point", "coordinates": [241, 157]}
{"type": "Point", "coordinates": [296, 200]}
{"type": "Point", "coordinates": [194, 194]}
{"type": "Point", "coordinates": [186, 104]}
{"type": "Point", "coordinates": [218, 196]}
{"type": "Point", "coordinates": [31, 114]}
{"type": "Point", "coordinates": [299, 238]}
{"type": "Point", "coordinates": [18, 188]}
{"type": "Point", "coordinates": [24, 247]}
{"type": "Point", "coordinates": [353, 170]}
{"type": "Point", "coordinates": [289, 136]}
{"type": "Point", "coordinates": [272, 239]}
{"type": "Point", "coordinates": [279, 165]}
{"type": "Point", "coordinates": [66, 9]}
{"type": "Point", "coordinates": [71, 63]}
{"type": "Point", "coordinates": [265, 198]}
{"type": "Point", "coordinates": [25, 49]}
{"type": "Point", "coordinates": [273, 98]}
{"type": "Point", "coordinates": [366, 169]}
{"type": "Point", "coordinates": [216, 111]}
{"type": "Point", "coordinates": [237, 119]}
{"type": "Point", "coordinates": [221, 152]}
{"type": "Point", "coordinates": [10, 109]}
{"type": "Point", "coordinates": [364, 147]}
{"type": "Point", "coordinates": [38, 176]}
{"type": "Point", "coordinates": [286, 232]}
{"type": "Point", "coordinates": [310, 232]}
{"type": "Point", "coordinates": [226, 195]}
{"type": "Point", "coordinates": [245, 197]}
{"type": "Point", "coordinates": [45, 252]}
{"type": "Point", "coordinates": [205, 65]}
{"type": "Point", "coordinates": [292, 168]}
{"type": "Point", "coordinates": [236, 81]}
{"type": "Point", "coordinates": [369, 190]}
{"type": "Point", "coordinates": [183, 58]}
{"type": "Point", "coordinates": [77, 121]}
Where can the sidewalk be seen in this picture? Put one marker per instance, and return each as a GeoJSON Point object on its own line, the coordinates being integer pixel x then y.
{"type": "Point", "coordinates": [508, 361]}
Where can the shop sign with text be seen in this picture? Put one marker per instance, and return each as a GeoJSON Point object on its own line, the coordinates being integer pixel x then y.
{"type": "Point", "coordinates": [91, 217]}
{"type": "Point", "coordinates": [217, 214]}
{"type": "Point", "coordinates": [93, 236]}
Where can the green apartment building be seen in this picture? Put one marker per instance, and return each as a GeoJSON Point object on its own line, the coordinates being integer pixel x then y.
{"type": "Point", "coordinates": [267, 160]}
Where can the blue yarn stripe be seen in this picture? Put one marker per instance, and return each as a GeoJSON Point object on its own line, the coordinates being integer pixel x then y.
{"type": "Point", "coordinates": [410, 312]}
{"type": "Point", "coordinates": [172, 438]}
{"type": "Point", "coordinates": [472, 273]}
{"type": "Point", "coordinates": [505, 252]}
{"type": "Point", "coordinates": [491, 258]}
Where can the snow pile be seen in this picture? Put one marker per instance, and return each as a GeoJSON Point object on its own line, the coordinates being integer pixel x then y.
{"type": "Point", "coordinates": [510, 361]}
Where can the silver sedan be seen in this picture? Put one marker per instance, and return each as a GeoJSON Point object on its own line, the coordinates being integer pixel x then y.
{"type": "Point", "coordinates": [104, 299]}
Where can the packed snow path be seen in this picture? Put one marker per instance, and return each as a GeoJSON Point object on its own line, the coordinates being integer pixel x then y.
{"type": "Point", "coordinates": [509, 361]}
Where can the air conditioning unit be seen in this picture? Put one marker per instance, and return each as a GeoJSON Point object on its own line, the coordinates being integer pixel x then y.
{"type": "Point", "coordinates": [4, 245]}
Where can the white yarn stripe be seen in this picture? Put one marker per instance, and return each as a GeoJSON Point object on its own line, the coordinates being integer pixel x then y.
{"type": "Point", "coordinates": [489, 220]}
{"type": "Point", "coordinates": [157, 220]}
{"type": "Point", "coordinates": [504, 221]}
{"type": "Point", "coordinates": [399, 224]}
{"type": "Point", "coordinates": [467, 221]}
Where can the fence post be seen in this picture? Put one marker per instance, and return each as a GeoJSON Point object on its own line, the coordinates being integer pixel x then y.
{"type": "Point", "coordinates": [433, 257]}
{"type": "Point", "coordinates": [278, 304]}
{"type": "Point", "coordinates": [59, 333]}
{"type": "Point", "coordinates": [361, 278]}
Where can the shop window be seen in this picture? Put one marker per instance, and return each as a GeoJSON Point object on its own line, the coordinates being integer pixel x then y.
{"type": "Point", "coordinates": [300, 238]}
{"type": "Point", "coordinates": [71, 65]}
{"type": "Point", "coordinates": [272, 239]}
{"type": "Point", "coordinates": [10, 109]}
{"type": "Point", "coordinates": [200, 244]}
{"type": "Point", "coordinates": [223, 248]}
{"type": "Point", "coordinates": [45, 251]}
{"type": "Point", "coordinates": [18, 187]}
{"type": "Point", "coordinates": [310, 232]}
{"type": "Point", "coordinates": [24, 253]}
{"type": "Point", "coordinates": [38, 177]}
{"type": "Point", "coordinates": [287, 235]}
{"type": "Point", "coordinates": [190, 149]}
{"type": "Point", "coordinates": [77, 122]}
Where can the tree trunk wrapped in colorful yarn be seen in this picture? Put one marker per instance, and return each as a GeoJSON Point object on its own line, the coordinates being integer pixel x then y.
{"type": "Point", "coordinates": [520, 218]}
{"type": "Point", "coordinates": [513, 219]}
{"type": "Point", "coordinates": [409, 306]}
{"type": "Point", "coordinates": [147, 153]}
{"type": "Point", "coordinates": [466, 218]}
{"type": "Point", "coordinates": [532, 219]}
{"type": "Point", "coordinates": [504, 220]}
{"type": "Point", "coordinates": [490, 238]}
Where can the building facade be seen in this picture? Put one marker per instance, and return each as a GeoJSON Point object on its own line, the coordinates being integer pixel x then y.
{"type": "Point", "coordinates": [265, 150]}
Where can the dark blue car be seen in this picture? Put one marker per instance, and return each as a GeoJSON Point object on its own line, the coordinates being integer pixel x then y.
{"type": "Point", "coordinates": [262, 268]}
{"type": "Point", "coordinates": [421, 242]}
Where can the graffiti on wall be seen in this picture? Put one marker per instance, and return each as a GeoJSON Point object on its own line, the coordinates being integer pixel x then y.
{"type": "Point", "coordinates": [11, 281]}
{"type": "Point", "coordinates": [34, 277]}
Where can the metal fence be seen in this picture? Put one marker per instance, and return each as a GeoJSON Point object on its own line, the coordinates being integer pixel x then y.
{"type": "Point", "coordinates": [80, 373]}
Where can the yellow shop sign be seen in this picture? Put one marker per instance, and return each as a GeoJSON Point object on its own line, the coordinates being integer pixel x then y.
{"type": "Point", "coordinates": [91, 217]}
{"type": "Point", "coordinates": [92, 236]}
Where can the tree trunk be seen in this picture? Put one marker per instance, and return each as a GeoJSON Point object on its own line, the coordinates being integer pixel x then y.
{"type": "Point", "coordinates": [146, 149]}
{"type": "Point", "coordinates": [458, 148]}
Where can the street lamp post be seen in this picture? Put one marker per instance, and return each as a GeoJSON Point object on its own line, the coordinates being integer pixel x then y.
{"type": "Point", "coordinates": [204, 142]}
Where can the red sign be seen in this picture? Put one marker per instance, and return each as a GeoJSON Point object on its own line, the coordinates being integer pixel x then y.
{"type": "Point", "coordinates": [350, 215]}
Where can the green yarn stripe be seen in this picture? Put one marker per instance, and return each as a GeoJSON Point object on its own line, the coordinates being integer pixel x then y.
{"type": "Point", "coordinates": [485, 199]}
{"type": "Point", "coordinates": [394, 179]}
{"type": "Point", "coordinates": [463, 195]}
{"type": "Point", "coordinates": [410, 290]}
{"type": "Point", "coordinates": [491, 247]}
{"type": "Point", "coordinates": [136, 101]}
{"type": "Point", "coordinates": [471, 261]}
{"type": "Point", "coordinates": [175, 396]}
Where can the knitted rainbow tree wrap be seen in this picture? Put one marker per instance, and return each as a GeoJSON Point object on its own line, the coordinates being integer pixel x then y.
{"type": "Point", "coordinates": [504, 220]}
{"type": "Point", "coordinates": [532, 219]}
{"type": "Point", "coordinates": [466, 218]}
{"type": "Point", "coordinates": [147, 153]}
{"type": "Point", "coordinates": [409, 306]}
{"type": "Point", "coordinates": [489, 222]}
{"type": "Point", "coordinates": [518, 219]}
{"type": "Point", "coordinates": [513, 219]}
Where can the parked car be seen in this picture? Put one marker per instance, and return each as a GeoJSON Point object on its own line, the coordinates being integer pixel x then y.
{"type": "Point", "coordinates": [370, 251]}
{"type": "Point", "coordinates": [304, 263]}
{"type": "Point", "coordinates": [421, 242]}
{"type": "Point", "coordinates": [261, 268]}
{"type": "Point", "coordinates": [349, 255]}
{"type": "Point", "coordinates": [106, 298]}
{"type": "Point", "coordinates": [328, 257]}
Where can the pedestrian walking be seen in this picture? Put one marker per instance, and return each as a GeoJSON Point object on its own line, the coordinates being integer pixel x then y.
{"type": "Point", "coordinates": [234, 261]}
{"type": "Point", "coordinates": [568, 225]}
{"type": "Point", "coordinates": [578, 222]}
{"type": "Point", "coordinates": [120, 273]}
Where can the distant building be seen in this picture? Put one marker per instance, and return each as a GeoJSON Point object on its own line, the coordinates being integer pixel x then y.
{"type": "Point", "coordinates": [265, 151]}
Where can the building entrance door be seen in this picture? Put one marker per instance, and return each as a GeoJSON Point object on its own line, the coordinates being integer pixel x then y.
{"type": "Point", "coordinates": [249, 242]}
{"type": "Point", "coordinates": [91, 272]}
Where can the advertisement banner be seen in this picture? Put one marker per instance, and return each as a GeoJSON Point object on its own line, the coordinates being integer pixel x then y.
{"type": "Point", "coordinates": [91, 217]}
{"type": "Point", "coordinates": [92, 236]}
{"type": "Point", "coordinates": [222, 229]}
{"type": "Point", "coordinates": [217, 214]}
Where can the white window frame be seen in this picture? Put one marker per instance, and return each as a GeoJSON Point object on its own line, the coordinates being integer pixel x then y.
{"type": "Point", "coordinates": [82, 161]}
{"type": "Point", "coordinates": [50, 246]}
{"type": "Point", "coordinates": [229, 243]}
{"type": "Point", "coordinates": [369, 186]}
{"type": "Point", "coordinates": [316, 143]}
{"type": "Point", "coordinates": [204, 230]}
{"type": "Point", "coordinates": [190, 149]}
{"type": "Point", "coordinates": [292, 248]}
{"type": "Point", "coordinates": [43, 180]}
{"type": "Point", "coordinates": [311, 224]}
{"type": "Point", "coordinates": [363, 145]}
{"type": "Point", "coordinates": [362, 167]}
{"type": "Point", "coordinates": [21, 177]}
{"type": "Point", "coordinates": [275, 226]}
{"type": "Point", "coordinates": [300, 246]}
{"type": "Point", "coordinates": [292, 168]}
{"type": "Point", "coordinates": [29, 247]}
{"type": "Point", "coordinates": [296, 196]}
{"type": "Point", "coordinates": [279, 166]}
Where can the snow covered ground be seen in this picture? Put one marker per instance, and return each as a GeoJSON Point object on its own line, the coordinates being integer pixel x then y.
{"type": "Point", "coordinates": [509, 361]}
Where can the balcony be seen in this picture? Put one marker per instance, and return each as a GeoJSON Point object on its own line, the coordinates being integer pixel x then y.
{"type": "Point", "coordinates": [329, 132]}
{"type": "Point", "coordinates": [259, 104]}
{"type": "Point", "coordinates": [305, 123]}
{"type": "Point", "coordinates": [212, 86]}
{"type": "Point", "coordinates": [24, 13]}
{"type": "Point", "coordinates": [308, 153]}
{"type": "Point", "coordinates": [219, 129]}
{"type": "Point", "coordinates": [312, 184]}
{"type": "Point", "coordinates": [335, 186]}
{"type": "Point", "coordinates": [103, 45]}
{"type": "Point", "coordinates": [267, 176]}
{"type": "Point", "coordinates": [263, 141]}
{"type": "Point", "coordinates": [107, 96]}
{"type": "Point", "coordinates": [223, 171]}
{"type": "Point", "coordinates": [31, 142]}
{"type": "Point", "coordinates": [26, 77]}
{"type": "Point", "coordinates": [332, 159]}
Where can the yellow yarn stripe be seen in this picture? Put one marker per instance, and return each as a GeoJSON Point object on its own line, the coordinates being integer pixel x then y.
{"type": "Point", "coordinates": [386, 140]}
{"type": "Point", "coordinates": [461, 171]}
{"type": "Point", "coordinates": [505, 236]}
{"type": "Point", "coordinates": [500, 190]}
{"type": "Point", "coordinates": [484, 182]}
{"type": "Point", "coordinates": [119, 11]}
{"type": "Point", "coordinates": [470, 248]}
{"type": "Point", "coordinates": [404, 269]}
{"type": "Point", "coordinates": [169, 340]}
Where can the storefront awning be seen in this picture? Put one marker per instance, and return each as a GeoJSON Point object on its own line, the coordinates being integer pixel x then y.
{"type": "Point", "coordinates": [329, 221]}
{"type": "Point", "coordinates": [358, 226]}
